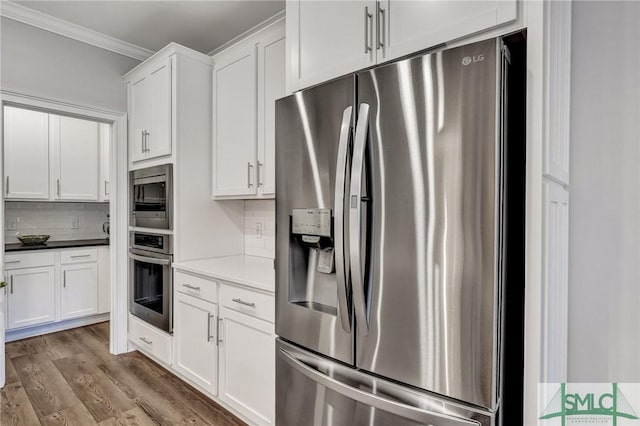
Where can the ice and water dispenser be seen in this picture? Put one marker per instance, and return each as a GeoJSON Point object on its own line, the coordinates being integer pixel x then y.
{"type": "Point", "coordinates": [313, 281]}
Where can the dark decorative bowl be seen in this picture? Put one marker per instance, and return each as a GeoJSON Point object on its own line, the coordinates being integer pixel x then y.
{"type": "Point", "coordinates": [33, 240]}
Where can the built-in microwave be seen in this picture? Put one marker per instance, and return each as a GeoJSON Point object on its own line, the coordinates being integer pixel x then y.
{"type": "Point", "coordinates": [152, 197]}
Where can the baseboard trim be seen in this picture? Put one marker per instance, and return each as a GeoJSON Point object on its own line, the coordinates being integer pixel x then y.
{"type": "Point", "coordinates": [12, 335]}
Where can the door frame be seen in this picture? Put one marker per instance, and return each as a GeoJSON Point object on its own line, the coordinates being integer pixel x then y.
{"type": "Point", "coordinates": [118, 206]}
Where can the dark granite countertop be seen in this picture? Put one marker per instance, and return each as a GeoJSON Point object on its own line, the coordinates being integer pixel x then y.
{"type": "Point", "coordinates": [56, 245]}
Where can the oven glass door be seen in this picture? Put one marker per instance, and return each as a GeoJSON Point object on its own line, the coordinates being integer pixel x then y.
{"type": "Point", "coordinates": [150, 289]}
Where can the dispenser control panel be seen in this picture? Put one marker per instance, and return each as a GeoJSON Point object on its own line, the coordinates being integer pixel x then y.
{"type": "Point", "coordinates": [311, 222]}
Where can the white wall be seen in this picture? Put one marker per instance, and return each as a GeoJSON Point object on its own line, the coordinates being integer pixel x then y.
{"type": "Point", "coordinates": [604, 245]}
{"type": "Point", "coordinates": [55, 219]}
{"type": "Point", "coordinates": [48, 65]}
{"type": "Point", "coordinates": [260, 228]}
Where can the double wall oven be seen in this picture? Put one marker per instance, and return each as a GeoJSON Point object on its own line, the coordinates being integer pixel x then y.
{"type": "Point", "coordinates": [151, 247]}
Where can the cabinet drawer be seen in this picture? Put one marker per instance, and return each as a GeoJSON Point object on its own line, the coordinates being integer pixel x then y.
{"type": "Point", "coordinates": [248, 302]}
{"type": "Point", "coordinates": [78, 256]}
{"type": "Point", "coordinates": [201, 288]}
{"type": "Point", "coordinates": [29, 260]}
{"type": "Point", "coordinates": [150, 340]}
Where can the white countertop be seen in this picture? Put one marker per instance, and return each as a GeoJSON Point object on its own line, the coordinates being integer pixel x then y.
{"type": "Point", "coordinates": [251, 271]}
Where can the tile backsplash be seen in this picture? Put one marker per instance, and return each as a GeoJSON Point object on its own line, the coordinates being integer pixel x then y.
{"type": "Point", "coordinates": [63, 221]}
{"type": "Point", "coordinates": [260, 228]}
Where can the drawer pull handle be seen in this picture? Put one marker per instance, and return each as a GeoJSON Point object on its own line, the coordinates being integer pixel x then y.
{"type": "Point", "coordinates": [12, 261]}
{"type": "Point", "coordinates": [189, 286]}
{"type": "Point", "coordinates": [74, 256]}
{"type": "Point", "coordinates": [242, 302]}
{"type": "Point", "coordinates": [145, 340]}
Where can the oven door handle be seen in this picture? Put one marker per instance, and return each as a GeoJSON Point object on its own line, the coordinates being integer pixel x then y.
{"type": "Point", "coordinates": [153, 260]}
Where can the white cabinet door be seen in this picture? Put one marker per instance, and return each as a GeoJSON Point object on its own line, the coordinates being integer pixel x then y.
{"type": "Point", "coordinates": [139, 118]}
{"type": "Point", "coordinates": [75, 144]}
{"type": "Point", "coordinates": [247, 365]}
{"type": "Point", "coordinates": [104, 279]}
{"type": "Point", "coordinates": [158, 141]}
{"type": "Point", "coordinates": [31, 297]}
{"type": "Point", "coordinates": [26, 154]}
{"type": "Point", "coordinates": [79, 290]}
{"type": "Point", "coordinates": [195, 340]}
{"type": "Point", "coordinates": [234, 122]}
{"type": "Point", "coordinates": [105, 162]}
{"type": "Point", "coordinates": [150, 113]}
{"type": "Point", "coordinates": [411, 26]}
{"type": "Point", "coordinates": [327, 39]}
{"type": "Point", "coordinates": [271, 86]}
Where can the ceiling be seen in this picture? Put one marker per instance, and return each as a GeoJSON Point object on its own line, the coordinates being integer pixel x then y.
{"type": "Point", "coordinates": [200, 25]}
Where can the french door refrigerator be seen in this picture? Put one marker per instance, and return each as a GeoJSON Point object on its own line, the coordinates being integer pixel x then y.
{"type": "Point", "coordinates": [390, 243]}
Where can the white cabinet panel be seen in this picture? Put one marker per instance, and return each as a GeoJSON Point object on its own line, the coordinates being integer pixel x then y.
{"type": "Point", "coordinates": [26, 154]}
{"type": "Point", "coordinates": [196, 350]}
{"type": "Point", "coordinates": [151, 340]}
{"type": "Point", "coordinates": [234, 122]}
{"type": "Point", "coordinates": [411, 26]}
{"type": "Point", "coordinates": [104, 280]}
{"type": "Point", "coordinates": [558, 89]}
{"type": "Point", "coordinates": [271, 86]}
{"type": "Point", "coordinates": [104, 184]}
{"type": "Point", "coordinates": [31, 298]}
{"type": "Point", "coordinates": [76, 157]}
{"type": "Point", "coordinates": [79, 294]}
{"type": "Point", "coordinates": [247, 365]}
{"type": "Point", "coordinates": [150, 107]}
{"type": "Point", "coordinates": [327, 39]}
{"type": "Point", "coordinates": [556, 282]}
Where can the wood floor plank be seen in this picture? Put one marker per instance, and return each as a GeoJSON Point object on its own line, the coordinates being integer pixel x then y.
{"type": "Point", "coordinates": [15, 407]}
{"type": "Point", "coordinates": [205, 407]}
{"type": "Point", "coordinates": [133, 417]}
{"type": "Point", "coordinates": [102, 398]}
{"type": "Point", "coordinates": [78, 415]}
{"type": "Point", "coordinates": [10, 374]}
{"type": "Point", "coordinates": [70, 378]}
{"type": "Point", "coordinates": [30, 346]}
{"type": "Point", "coordinates": [48, 391]}
{"type": "Point", "coordinates": [59, 345]}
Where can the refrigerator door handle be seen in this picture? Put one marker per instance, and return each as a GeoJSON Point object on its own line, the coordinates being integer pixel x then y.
{"type": "Point", "coordinates": [342, 262]}
{"type": "Point", "coordinates": [355, 195]}
{"type": "Point", "coordinates": [389, 405]}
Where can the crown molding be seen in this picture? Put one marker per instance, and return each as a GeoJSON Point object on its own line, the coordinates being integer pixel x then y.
{"type": "Point", "coordinates": [264, 24]}
{"type": "Point", "coordinates": [67, 29]}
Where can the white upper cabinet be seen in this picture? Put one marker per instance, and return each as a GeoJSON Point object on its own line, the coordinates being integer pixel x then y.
{"type": "Point", "coordinates": [150, 109]}
{"type": "Point", "coordinates": [410, 26]}
{"type": "Point", "coordinates": [271, 86]}
{"type": "Point", "coordinates": [76, 162]}
{"type": "Point", "coordinates": [26, 154]}
{"type": "Point", "coordinates": [234, 122]}
{"type": "Point", "coordinates": [326, 40]}
{"type": "Point", "coordinates": [247, 79]}
{"type": "Point", "coordinates": [104, 184]}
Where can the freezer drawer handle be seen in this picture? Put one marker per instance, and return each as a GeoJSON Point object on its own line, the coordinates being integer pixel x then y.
{"type": "Point", "coordinates": [377, 401]}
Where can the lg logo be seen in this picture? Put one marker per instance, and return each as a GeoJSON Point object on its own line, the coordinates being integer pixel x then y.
{"type": "Point", "coordinates": [472, 59]}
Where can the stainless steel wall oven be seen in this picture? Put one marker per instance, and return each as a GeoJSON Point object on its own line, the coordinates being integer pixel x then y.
{"type": "Point", "coordinates": [150, 279]}
{"type": "Point", "coordinates": [152, 197]}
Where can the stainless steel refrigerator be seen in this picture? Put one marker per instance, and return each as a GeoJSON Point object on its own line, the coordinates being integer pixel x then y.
{"type": "Point", "coordinates": [389, 264]}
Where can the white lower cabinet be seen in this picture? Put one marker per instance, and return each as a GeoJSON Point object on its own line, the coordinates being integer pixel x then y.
{"type": "Point", "coordinates": [224, 343]}
{"type": "Point", "coordinates": [48, 286]}
{"type": "Point", "coordinates": [79, 295]}
{"type": "Point", "coordinates": [247, 365]}
{"type": "Point", "coordinates": [31, 297]}
{"type": "Point", "coordinates": [195, 337]}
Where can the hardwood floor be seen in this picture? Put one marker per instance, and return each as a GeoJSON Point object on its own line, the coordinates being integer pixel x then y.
{"type": "Point", "coordinates": [70, 378]}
